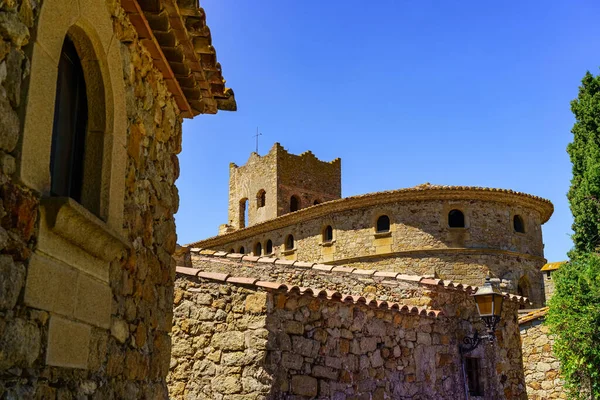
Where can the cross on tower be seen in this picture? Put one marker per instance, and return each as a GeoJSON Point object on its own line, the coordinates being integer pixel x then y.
{"type": "Point", "coordinates": [256, 136]}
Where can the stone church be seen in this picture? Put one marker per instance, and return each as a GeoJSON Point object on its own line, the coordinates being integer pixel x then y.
{"type": "Point", "coordinates": [92, 98]}
{"type": "Point", "coordinates": [305, 294]}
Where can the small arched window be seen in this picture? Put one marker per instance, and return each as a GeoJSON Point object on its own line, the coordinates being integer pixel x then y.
{"type": "Point", "coordinates": [261, 198]}
{"type": "Point", "coordinates": [294, 203]}
{"type": "Point", "coordinates": [242, 250]}
{"type": "Point", "coordinates": [258, 249]}
{"type": "Point", "coordinates": [69, 132]}
{"type": "Point", "coordinates": [327, 234]}
{"type": "Point", "coordinates": [289, 242]}
{"type": "Point", "coordinates": [456, 219]}
{"type": "Point", "coordinates": [269, 247]}
{"type": "Point", "coordinates": [383, 224]}
{"type": "Point", "coordinates": [232, 250]}
{"type": "Point", "coordinates": [316, 202]}
{"type": "Point", "coordinates": [518, 224]}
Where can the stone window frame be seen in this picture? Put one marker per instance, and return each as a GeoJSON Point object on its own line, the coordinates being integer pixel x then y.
{"type": "Point", "coordinates": [383, 234]}
{"type": "Point", "coordinates": [255, 248]}
{"type": "Point", "coordinates": [447, 208]}
{"type": "Point", "coordinates": [327, 243]}
{"type": "Point", "coordinates": [68, 272]}
{"type": "Point", "coordinates": [269, 253]}
{"type": "Point", "coordinates": [286, 249]}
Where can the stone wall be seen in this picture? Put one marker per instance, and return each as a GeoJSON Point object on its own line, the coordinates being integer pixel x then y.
{"type": "Point", "coordinates": [540, 365]}
{"type": "Point", "coordinates": [420, 241]}
{"type": "Point", "coordinates": [281, 175]}
{"type": "Point", "coordinates": [99, 327]}
{"type": "Point", "coordinates": [244, 342]}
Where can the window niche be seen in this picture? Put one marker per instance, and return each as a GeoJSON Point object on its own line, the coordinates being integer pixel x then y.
{"type": "Point", "coordinates": [289, 243]}
{"type": "Point", "coordinates": [269, 247]}
{"type": "Point", "coordinates": [243, 213]}
{"type": "Point", "coordinates": [383, 224]}
{"type": "Point", "coordinates": [456, 219]}
{"type": "Point", "coordinates": [258, 249]}
{"type": "Point", "coordinates": [327, 234]}
{"type": "Point", "coordinates": [294, 203]}
{"type": "Point", "coordinates": [261, 198]}
{"type": "Point", "coordinates": [518, 224]}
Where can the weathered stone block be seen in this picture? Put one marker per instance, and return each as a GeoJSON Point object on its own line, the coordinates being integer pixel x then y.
{"type": "Point", "coordinates": [228, 341]}
{"type": "Point", "coordinates": [20, 344]}
{"type": "Point", "coordinates": [94, 300]}
{"type": "Point", "coordinates": [304, 385]}
{"type": "Point", "coordinates": [51, 286]}
{"type": "Point", "coordinates": [68, 343]}
{"type": "Point", "coordinates": [13, 278]}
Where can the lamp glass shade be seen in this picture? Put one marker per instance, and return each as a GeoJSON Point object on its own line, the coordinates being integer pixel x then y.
{"type": "Point", "coordinates": [489, 300]}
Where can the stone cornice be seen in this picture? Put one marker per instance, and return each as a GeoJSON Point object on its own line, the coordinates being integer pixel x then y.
{"type": "Point", "coordinates": [417, 193]}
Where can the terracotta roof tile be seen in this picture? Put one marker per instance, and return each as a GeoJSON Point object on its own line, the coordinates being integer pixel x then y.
{"type": "Point", "coordinates": [323, 267]}
{"type": "Point", "coordinates": [534, 314]}
{"type": "Point", "coordinates": [421, 280]}
{"type": "Point", "coordinates": [216, 276]}
{"type": "Point", "coordinates": [242, 280]}
{"type": "Point", "coordinates": [220, 254]}
{"type": "Point", "coordinates": [187, 271]}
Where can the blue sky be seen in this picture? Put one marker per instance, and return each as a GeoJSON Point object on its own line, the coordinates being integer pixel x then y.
{"type": "Point", "coordinates": [405, 92]}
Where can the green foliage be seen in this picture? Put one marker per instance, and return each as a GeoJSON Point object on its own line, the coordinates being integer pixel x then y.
{"type": "Point", "coordinates": [584, 194]}
{"type": "Point", "coordinates": [574, 317]}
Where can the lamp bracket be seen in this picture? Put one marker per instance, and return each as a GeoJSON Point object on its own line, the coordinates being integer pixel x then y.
{"type": "Point", "coordinates": [470, 343]}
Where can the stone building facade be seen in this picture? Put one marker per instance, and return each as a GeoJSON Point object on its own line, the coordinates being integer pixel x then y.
{"type": "Point", "coordinates": [265, 187]}
{"type": "Point", "coordinates": [331, 332]}
{"type": "Point", "coordinates": [497, 231]}
{"type": "Point", "coordinates": [92, 96]}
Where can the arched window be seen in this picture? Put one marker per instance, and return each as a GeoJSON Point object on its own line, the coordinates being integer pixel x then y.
{"type": "Point", "coordinates": [258, 249]}
{"type": "Point", "coordinates": [327, 234]}
{"type": "Point", "coordinates": [456, 219]}
{"type": "Point", "coordinates": [518, 224]}
{"type": "Point", "coordinates": [232, 250]}
{"type": "Point", "coordinates": [269, 247]}
{"type": "Point", "coordinates": [242, 250]}
{"type": "Point", "coordinates": [243, 217]}
{"type": "Point", "coordinates": [289, 242]}
{"type": "Point", "coordinates": [261, 198]}
{"type": "Point", "coordinates": [383, 224]}
{"type": "Point", "coordinates": [69, 131]}
{"type": "Point", "coordinates": [316, 202]}
{"type": "Point", "coordinates": [294, 203]}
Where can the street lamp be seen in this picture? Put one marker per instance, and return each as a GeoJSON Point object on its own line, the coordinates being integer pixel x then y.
{"type": "Point", "coordinates": [489, 306]}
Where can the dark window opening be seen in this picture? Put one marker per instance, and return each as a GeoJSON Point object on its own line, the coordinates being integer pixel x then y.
{"type": "Point", "coordinates": [261, 198]}
{"type": "Point", "coordinates": [269, 247]}
{"type": "Point", "coordinates": [232, 250]}
{"type": "Point", "coordinates": [523, 289]}
{"type": "Point", "coordinates": [258, 249]}
{"type": "Point", "coordinates": [243, 216]}
{"type": "Point", "coordinates": [548, 275]}
{"type": "Point", "coordinates": [242, 250]}
{"type": "Point", "coordinates": [316, 202]}
{"type": "Point", "coordinates": [289, 243]}
{"type": "Point", "coordinates": [456, 219]}
{"type": "Point", "coordinates": [328, 234]}
{"type": "Point", "coordinates": [383, 224]}
{"type": "Point", "coordinates": [294, 204]}
{"type": "Point", "coordinates": [518, 224]}
{"type": "Point", "coordinates": [474, 376]}
{"type": "Point", "coordinates": [69, 129]}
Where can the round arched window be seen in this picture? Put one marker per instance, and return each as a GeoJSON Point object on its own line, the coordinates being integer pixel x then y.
{"type": "Point", "coordinates": [456, 219]}
{"type": "Point", "coordinates": [518, 224]}
{"type": "Point", "coordinates": [289, 242]}
{"type": "Point", "coordinates": [294, 203]}
{"type": "Point", "coordinates": [327, 234]}
{"type": "Point", "coordinates": [269, 247]}
{"type": "Point", "coordinates": [258, 249]}
{"type": "Point", "coordinates": [242, 250]}
{"type": "Point", "coordinates": [383, 224]}
{"type": "Point", "coordinates": [261, 198]}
